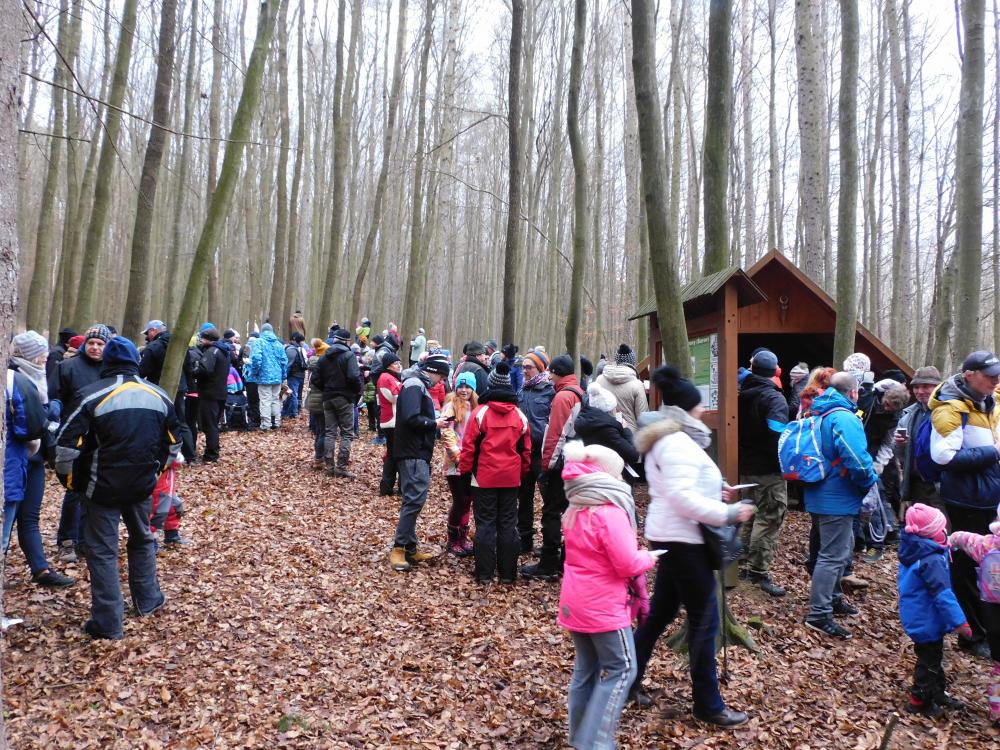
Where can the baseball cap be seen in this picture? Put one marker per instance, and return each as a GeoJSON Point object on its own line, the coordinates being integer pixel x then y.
{"type": "Point", "coordinates": [984, 362]}
{"type": "Point", "coordinates": [154, 325]}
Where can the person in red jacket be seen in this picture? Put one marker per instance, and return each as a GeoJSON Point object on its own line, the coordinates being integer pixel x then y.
{"type": "Point", "coordinates": [387, 390]}
{"type": "Point", "coordinates": [565, 408]}
{"type": "Point", "coordinates": [496, 453]}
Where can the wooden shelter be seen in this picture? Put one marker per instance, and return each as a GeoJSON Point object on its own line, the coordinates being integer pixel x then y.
{"type": "Point", "coordinates": [731, 313]}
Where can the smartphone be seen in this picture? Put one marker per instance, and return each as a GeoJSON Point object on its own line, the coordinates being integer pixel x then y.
{"type": "Point", "coordinates": [450, 419]}
{"type": "Point", "coordinates": [901, 431]}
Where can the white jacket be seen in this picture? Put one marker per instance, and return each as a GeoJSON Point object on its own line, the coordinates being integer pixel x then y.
{"type": "Point", "coordinates": [629, 391]}
{"type": "Point", "coordinates": [685, 485]}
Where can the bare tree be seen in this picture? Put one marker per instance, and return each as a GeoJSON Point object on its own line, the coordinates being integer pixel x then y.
{"type": "Point", "coordinates": [581, 174]}
{"type": "Point", "coordinates": [812, 116]}
{"type": "Point", "coordinates": [508, 327]}
{"type": "Point", "coordinates": [718, 134]}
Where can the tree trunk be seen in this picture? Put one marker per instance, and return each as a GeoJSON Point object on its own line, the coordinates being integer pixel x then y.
{"type": "Point", "coordinates": [302, 144]}
{"type": "Point", "coordinates": [86, 310]}
{"type": "Point", "coordinates": [718, 132]}
{"type": "Point", "coordinates": [969, 179]}
{"type": "Point", "coordinates": [847, 212]}
{"type": "Point", "coordinates": [214, 134]}
{"type": "Point", "coordinates": [508, 325]}
{"type": "Point", "coordinates": [996, 177]}
{"type": "Point", "coordinates": [581, 215]}
{"type": "Point", "coordinates": [774, 239]}
{"type": "Point", "coordinates": [137, 301]}
{"type": "Point", "coordinates": [279, 278]}
{"type": "Point", "coordinates": [669, 308]}
{"type": "Point", "coordinates": [222, 197]}
{"type": "Point", "coordinates": [812, 113]}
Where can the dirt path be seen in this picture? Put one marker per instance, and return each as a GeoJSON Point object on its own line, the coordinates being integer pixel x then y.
{"type": "Point", "coordinates": [286, 628]}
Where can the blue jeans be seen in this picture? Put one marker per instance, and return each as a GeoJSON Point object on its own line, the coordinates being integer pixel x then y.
{"type": "Point", "coordinates": [29, 538]}
{"type": "Point", "coordinates": [292, 403]}
{"type": "Point", "coordinates": [69, 518]}
{"type": "Point", "coordinates": [684, 575]}
{"type": "Point", "coordinates": [317, 424]}
{"type": "Point", "coordinates": [100, 538]}
{"type": "Point", "coordinates": [10, 509]}
{"type": "Point", "coordinates": [414, 481]}
{"type": "Point", "coordinates": [836, 542]}
{"type": "Point", "coordinates": [604, 668]}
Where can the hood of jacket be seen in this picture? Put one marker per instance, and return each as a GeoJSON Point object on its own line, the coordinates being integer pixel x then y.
{"type": "Point", "coordinates": [955, 389]}
{"type": "Point", "coordinates": [755, 384]}
{"type": "Point", "coordinates": [500, 397]}
{"type": "Point", "coordinates": [569, 381]}
{"type": "Point", "coordinates": [119, 368]}
{"type": "Point", "coordinates": [656, 425]}
{"type": "Point", "coordinates": [830, 400]}
{"type": "Point", "coordinates": [618, 374]}
{"type": "Point", "coordinates": [913, 547]}
{"type": "Point", "coordinates": [335, 350]}
{"type": "Point", "coordinates": [592, 418]}
{"type": "Point", "coordinates": [415, 372]}
{"type": "Point", "coordinates": [223, 346]}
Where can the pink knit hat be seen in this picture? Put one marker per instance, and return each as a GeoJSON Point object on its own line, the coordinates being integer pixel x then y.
{"type": "Point", "coordinates": [928, 522]}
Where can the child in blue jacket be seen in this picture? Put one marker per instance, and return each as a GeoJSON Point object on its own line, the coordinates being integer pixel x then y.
{"type": "Point", "coordinates": [928, 608]}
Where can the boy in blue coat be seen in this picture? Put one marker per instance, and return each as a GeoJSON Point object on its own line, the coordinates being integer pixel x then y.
{"type": "Point", "coordinates": [928, 608]}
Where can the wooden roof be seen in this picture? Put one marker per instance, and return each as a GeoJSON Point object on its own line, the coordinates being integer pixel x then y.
{"type": "Point", "coordinates": [707, 286]}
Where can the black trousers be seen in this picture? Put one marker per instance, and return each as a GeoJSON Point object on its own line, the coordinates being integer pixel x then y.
{"type": "Point", "coordinates": [928, 674]}
{"type": "Point", "coordinates": [253, 405]}
{"type": "Point", "coordinates": [209, 411]}
{"type": "Point", "coordinates": [191, 411]}
{"type": "Point", "coordinates": [497, 544]}
{"type": "Point", "coordinates": [389, 468]}
{"type": "Point", "coordinates": [526, 502]}
{"type": "Point", "coordinates": [964, 578]}
{"type": "Point", "coordinates": [188, 449]}
{"type": "Point", "coordinates": [553, 506]}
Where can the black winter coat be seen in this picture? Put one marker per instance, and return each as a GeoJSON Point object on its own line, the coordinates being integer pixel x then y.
{"type": "Point", "coordinates": [153, 356]}
{"type": "Point", "coordinates": [596, 427]}
{"type": "Point", "coordinates": [212, 370]}
{"type": "Point", "coordinates": [416, 428]}
{"type": "Point", "coordinates": [763, 415]}
{"type": "Point", "coordinates": [56, 355]}
{"type": "Point", "coordinates": [71, 377]}
{"type": "Point", "coordinates": [338, 374]}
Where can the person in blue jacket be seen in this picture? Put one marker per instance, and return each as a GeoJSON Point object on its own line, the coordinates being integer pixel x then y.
{"type": "Point", "coordinates": [834, 502]}
{"type": "Point", "coordinates": [928, 608]}
{"type": "Point", "coordinates": [269, 368]}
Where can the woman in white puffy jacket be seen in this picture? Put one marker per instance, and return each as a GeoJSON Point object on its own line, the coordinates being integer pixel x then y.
{"type": "Point", "coordinates": [685, 489]}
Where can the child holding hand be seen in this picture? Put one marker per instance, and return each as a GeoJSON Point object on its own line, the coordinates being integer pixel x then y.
{"type": "Point", "coordinates": [928, 608]}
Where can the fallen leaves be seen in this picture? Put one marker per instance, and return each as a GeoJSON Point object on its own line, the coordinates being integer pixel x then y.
{"type": "Point", "coordinates": [285, 628]}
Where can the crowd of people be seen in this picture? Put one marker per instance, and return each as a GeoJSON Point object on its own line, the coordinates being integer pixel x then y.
{"type": "Point", "coordinates": [908, 462]}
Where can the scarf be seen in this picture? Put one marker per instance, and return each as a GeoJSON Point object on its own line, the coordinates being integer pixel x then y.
{"type": "Point", "coordinates": [592, 490]}
{"type": "Point", "coordinates": [693, 428]}
{"type": "Point", "coordinates": [34, 373]}
{"type": "Point", "coordinates": [542, 377]}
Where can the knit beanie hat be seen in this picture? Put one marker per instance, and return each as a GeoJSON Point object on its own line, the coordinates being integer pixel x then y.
{"type": "Point", "coordinates": [467, 379]}
{"type": "Point", "coordinates": [205, 326]}
{"type": "Point", "coordinates": [436, 363]}
{"type": "Point", "coordinates": [65, 335]}
{"type": "Point", "coordinates": [538, 359]}
{"type": "Point", "coordinates": [764, 363]}
{"type": "Point", "coordinates": [499, 378]}
{"type": "Point", "coordinates": [675, 389]}
{"type": "Point", "coordinates": [800, 371]}
{"type": "Point", "coordinates": [626, 356]}
{"type": "Point", "coordinates": [76, 342]}
{"type": "Point", "coordinates": [510, 351]}
{"type": "Point", "coordinates": [267, 327]}
{"type": "Point", "coordinates": [586, 366]}
{"type": "Point", "coordinates": [474, 349]}
{"type": "Point", "coordinates": [97, 331]}
{"type": "Point", "coordinates": [562, 365]}
{"type": "Point", "coordinates": [209, 334]}
{"type": "Point", "coordinates": [857, 362]}
{"type": "Point", "coordinates": [389, 358]}
{"type": "Point", "coordinates": [29, 345]}
{"type": "Point", "coordinates": [606, 459]}
{"type": "Point", "coordinates": [925, 521]}
{"type": "Point", "coordinates": [601, 398]}
{"type": "Point", "coordinates": [120, 350]}
{"type": "Point", "coordinates": [342, 334]}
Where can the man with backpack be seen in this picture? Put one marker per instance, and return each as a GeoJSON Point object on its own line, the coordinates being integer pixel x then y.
{"type": "Point", "coordinates": [964, 443]}
{"type": "Point", "coordinates": [913, 486]}
{"type": "Point", "coordinates": [763, 413]}
{"type": "Point", "coordinates": [211, 372]}
{"type": "Point", "coordinates": [566, 405]}
{"type": "Point", "coordinates": [835, 500]}
{"type": "Point", "coordinates": [296, 356]}
{"type": "Point", "coordinates": [339, 378]}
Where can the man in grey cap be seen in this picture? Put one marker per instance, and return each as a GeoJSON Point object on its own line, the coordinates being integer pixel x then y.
{"type": "Point", "coordinates": [913, 488]}
{"type": "Point", "coordinates": [965, 444]}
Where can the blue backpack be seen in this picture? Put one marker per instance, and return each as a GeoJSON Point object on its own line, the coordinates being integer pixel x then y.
{"type": "Point", "coordinates": [800, 450]}
{"type": "Point", "coordinates": [928, 469]}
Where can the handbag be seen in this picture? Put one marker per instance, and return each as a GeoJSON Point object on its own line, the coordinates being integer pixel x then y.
{"type": "Point", "coordinates": [722, 543]}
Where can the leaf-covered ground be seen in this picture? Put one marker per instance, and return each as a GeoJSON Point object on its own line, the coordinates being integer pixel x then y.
{"type": "Point", "coordinates": [286, 628]}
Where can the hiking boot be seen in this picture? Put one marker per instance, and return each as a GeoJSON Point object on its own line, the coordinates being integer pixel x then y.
{"type": "Point", "coordinates": [640, 699]}
{"type": "Point", "coordinates": [726, 718]}
{"type": "Point", "coordinates": [840, 607]}
{"type": "Point", "coordinates": [540, 572]}
{"type": "Point", "coordinates": [174, 537]}
{"type": "Point", "coordinates": [397, 559]}
{"type": "Point", "coordinates": [828, 627]}
{"type": "Point", "coordinates": [765, 584]}
{"type": "Point", "coordinates": [975, 648]}
{"type": "Point", "coordinates": [852, 581]}
{"type": "Point", "coordinates": [319, 464]}
{"type": "Point", "coordinates": [873, 555]}
{"type": "Point", "coordinates": [924, 708]}
{"type": "Point", "coordinates": [343, 474]}
{"type": "Point", "coordinates": [51, 579]}
{"type": "Point", "coordinates": [153, 611]}
{"type": "Point", "coordinates": [91, 629]}
{"type": "Point", "coordinates": [949, 703]}
{"type": "Point", "coordinates": [416, 556]}
{"type": "Point", "coordinates": [67, 552]}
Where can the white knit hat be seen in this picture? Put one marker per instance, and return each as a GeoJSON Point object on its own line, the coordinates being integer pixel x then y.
{"type": "Point", "coordinates": [601, 398]}
{"type": "Point", "coordinates": [29, 345]}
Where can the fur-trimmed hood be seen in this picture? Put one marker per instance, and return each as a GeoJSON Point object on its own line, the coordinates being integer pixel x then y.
{"type": "Point", "coordinates": [656, 425]}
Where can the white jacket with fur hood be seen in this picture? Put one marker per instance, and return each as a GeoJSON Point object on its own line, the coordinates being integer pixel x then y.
{"type": "Point", "coordinates": [685, 485]}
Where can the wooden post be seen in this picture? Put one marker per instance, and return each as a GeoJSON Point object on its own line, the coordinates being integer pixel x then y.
{"type": "Point", "coordinates": [728, 438]}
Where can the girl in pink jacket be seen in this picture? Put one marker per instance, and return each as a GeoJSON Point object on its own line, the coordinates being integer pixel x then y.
{"type": "Point", "coordinates": [595, 604]}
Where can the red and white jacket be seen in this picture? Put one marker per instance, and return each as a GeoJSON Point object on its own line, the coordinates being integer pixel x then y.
{"type": "Point", "coordinates": [496, 446]}
{"type": "Point", "coordinates": [387, 389]}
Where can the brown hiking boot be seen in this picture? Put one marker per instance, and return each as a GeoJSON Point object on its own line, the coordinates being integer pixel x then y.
{"type": "Point", "coordinates": [418, 557]}
{"type": "Point", "coordinates": [852, 581]}
{"type": "Point", "coordinates": [343, 474]}
{"type": "Point", "coordinates": [398, 561]}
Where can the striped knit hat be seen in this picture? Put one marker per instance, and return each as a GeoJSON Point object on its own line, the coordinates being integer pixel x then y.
{"type": "Point", "coordinates": [538, 359]}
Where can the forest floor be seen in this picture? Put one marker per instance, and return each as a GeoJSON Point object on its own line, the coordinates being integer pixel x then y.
{"type": "Point", "coordinates": [285, 627]}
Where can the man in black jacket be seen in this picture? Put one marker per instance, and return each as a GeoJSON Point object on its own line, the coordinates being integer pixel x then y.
{"type": "Point", "coordinates": [153, 354]}
{"type": "Point", "coordinates": [413, 447]}
{"type": "Point", "coordinates": [111, 449]}
{"type": "Point", "coordinates": [476, 360]}
{"type": "Point", "coordinates": [65, 384]}
{"type": "Point", "coordinates": [339, 377]}
{"type": "Point", "coordinates": [58, 351]}
{"type": "Point", "coordinates": [763, 413]}
{"type": "Point", "coordinates": [211, 373]}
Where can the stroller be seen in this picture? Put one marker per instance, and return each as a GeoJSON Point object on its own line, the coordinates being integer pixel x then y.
{"type": "Point", "coordinates": [236, 414]}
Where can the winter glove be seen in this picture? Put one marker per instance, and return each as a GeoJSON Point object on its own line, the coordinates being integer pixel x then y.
{"type": "Point", "coordinates": [638, 599]}
{"type": "Point", "coordinates": [964, 630]}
